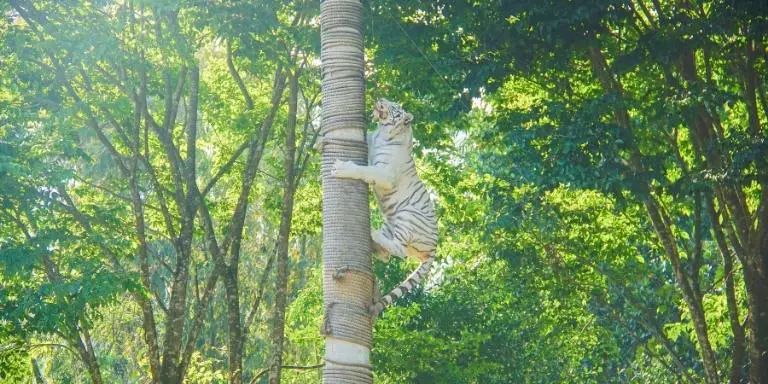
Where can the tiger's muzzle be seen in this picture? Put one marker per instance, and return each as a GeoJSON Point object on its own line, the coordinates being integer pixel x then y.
{"type": "Point", "coordinates": [380, 111]}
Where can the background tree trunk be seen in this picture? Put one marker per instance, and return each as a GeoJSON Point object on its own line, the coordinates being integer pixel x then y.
{"type": "Point", "coordinates": [658, 216]}
{"type": "Point", "coordinates": [283, 242]}
{"type": "Point", "coordinates": [347, 274]}
{"type": "Point", "coordinates": [39, 379]}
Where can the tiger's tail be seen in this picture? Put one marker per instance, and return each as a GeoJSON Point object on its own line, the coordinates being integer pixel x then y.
{"type": "Point", "coordinates": [403, 288]}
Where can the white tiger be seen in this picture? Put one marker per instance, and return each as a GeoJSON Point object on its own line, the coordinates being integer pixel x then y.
{"type": "Point", "coordinates": [410, 223]}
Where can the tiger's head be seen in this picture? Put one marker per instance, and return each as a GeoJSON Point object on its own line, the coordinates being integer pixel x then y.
{"type": "Point", "coordinates": [393, 117]}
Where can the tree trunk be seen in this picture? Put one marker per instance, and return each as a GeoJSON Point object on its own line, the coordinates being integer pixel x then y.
{"type": "Point", "coordinates": [234, 331]}
{"type": "Point", "coordinates": [347, 272]}
{"type": "Point", "coordinates": [171, 371]}
{"type": "Point", "coordinates": [93, 369]}
{"type": "Point", "coordinates": [231, 282]}
{"type": "Point", "coordinates": [662, 228]}
{"type": "Point", "coordinates": [39, 379]}
{"type": "Point", "coordinates": [756, 269]}
{"type": "Point", "coordinates": [755, 260]}
{"type": "Point", "coordinates": [658, 217]}
{"type": "Point", "coordinates": [737, 350]}
{"type": "Point", "coordinates": [278, 328]}
{"type": "Point", "coordinates": [148, 317]}
{"type": "Point", "coordinates": [757, 300]}
{"type": "Point", "coordinates": [84, 347]}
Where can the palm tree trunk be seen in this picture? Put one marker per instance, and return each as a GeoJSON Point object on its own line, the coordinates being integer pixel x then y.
{"type": "Point", "coordinates": [347, 273]}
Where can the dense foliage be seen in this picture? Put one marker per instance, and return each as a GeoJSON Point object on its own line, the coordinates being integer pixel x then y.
{"type": "Point", "coordinates": [600, 170]}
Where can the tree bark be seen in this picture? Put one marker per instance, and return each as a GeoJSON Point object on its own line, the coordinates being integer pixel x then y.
{"type": "Point", "coordinates": [737, 349]}
{"type": "Point", "coordinates": [231, 282]}
{"type": "Point", "coordinates": [347, 324]}
{"type": "Point", "coordinates": [39, 379]}
{"type": "Point", "coordinates": [757, 289]}
{"type": "Point", "coordinates": [172, 358]}
{"type": "Point", "coordinates": [234, 329]}
{"type": "Point", "coordinates": [93, 367]}
{"type": "Point", "coordinates": [661, 225]}
{"type": "Point", "coordinates": [756, 280]}
{"type": "Point", "coordinates": [147, 312]}
{"type": "Point", "coordinates": [749, 87]}
{"type": "Point", "coordinates": [748, 241]}
{"type": "Point", "coordinates": [278, 327]}
{"type": "Point", "coordinates": [756, 269]}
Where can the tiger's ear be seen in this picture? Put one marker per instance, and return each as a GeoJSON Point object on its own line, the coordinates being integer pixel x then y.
{"type": "Point", "coordinates": [401, 126]}
{"type": "Point", "coordinates": [408, 118]}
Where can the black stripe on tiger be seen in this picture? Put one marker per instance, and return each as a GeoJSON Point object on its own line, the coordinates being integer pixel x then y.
{"type": "Point", "coordinates": [406, 286]}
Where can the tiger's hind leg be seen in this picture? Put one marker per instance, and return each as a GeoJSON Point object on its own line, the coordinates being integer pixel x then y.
{"type": "Point", "coordinates": [421, 249]}
{"type": "Point", "coordinates": [379, 252]}
{"type": "Point", "coordinates": [385, 246]}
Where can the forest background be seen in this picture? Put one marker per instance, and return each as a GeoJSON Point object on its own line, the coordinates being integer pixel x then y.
{"type": "Point", "coordinates": [599, 167]}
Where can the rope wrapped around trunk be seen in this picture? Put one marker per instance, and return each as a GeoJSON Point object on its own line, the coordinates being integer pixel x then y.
{"type": "Point", "coordinates": [348, 374]}
{"type": "Point", "coordinates": [342, 65]}
{"type": "Point", "coordinates": [347, 282]}
{"type": "Point", "coordinates": [347, 271]}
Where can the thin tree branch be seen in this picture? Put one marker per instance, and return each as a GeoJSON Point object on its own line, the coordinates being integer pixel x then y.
{"type": "Point", "coordinates": [237, 78]}
{"type": "Point", "coordinates": [259, 294]}
{"type": "Point", "coordinates": [41, 345]}
{"type": "Point", "coordinates": [224, 169]}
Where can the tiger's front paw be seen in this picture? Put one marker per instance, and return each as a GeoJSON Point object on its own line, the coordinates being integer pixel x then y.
{"type": "Point", "coordinates": [381, 254]}
{"type": "Point", "coordinates": [342, 169]}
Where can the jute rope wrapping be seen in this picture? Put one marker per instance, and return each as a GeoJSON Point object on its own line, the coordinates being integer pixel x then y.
{"type": "Point", "coordinates": [347, 273]}
{"type": "Point", "coordinates": [348, 375]}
